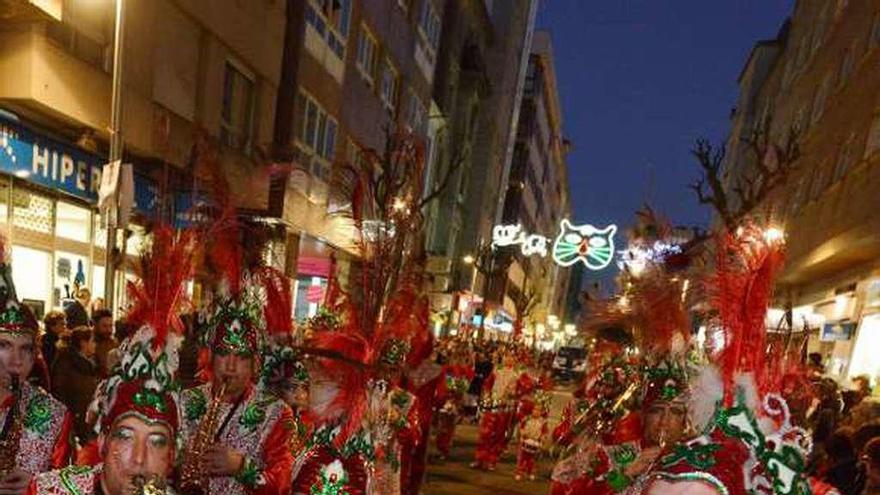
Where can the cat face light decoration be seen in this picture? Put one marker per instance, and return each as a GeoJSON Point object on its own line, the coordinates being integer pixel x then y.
{"type": "Point", "coordinates": [591, 246]}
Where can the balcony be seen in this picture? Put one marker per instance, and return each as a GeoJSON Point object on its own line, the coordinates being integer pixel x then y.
{"type": "Point", "coordinates": [41, 77]}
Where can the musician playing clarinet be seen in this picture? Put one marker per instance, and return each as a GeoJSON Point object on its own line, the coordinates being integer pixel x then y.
{"type": "Point", "coordinates": [36, 427]}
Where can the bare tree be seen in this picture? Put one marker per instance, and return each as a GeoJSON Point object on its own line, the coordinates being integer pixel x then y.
{"type": "Point", "coordinates": [525, 303]}
{"type": "Point", "coordinates": [386, 191]}
{"type": "Point", "coordinates": [737, 198]}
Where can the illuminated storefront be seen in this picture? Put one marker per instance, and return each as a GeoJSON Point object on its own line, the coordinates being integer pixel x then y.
{"type": "Point", "coordinates": [48, 191]}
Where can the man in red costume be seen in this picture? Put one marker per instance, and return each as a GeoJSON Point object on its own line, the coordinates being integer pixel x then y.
{"type": "Point", "coordinates": [136, 406]}
{"type": "Point", "coordinates": [499, 408]}
{"type": "Point", "coordinates": [251, 452]}
{"type": "Point", "coordinates": [43, 422]}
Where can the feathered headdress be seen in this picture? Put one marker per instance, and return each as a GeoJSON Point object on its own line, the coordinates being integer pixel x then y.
{"type": "Point", "coordinates": [746, 264]}
{"type": "Point", "coordinates": [749, 444]}
{"type": "Point", "coordinates": [143, 382]}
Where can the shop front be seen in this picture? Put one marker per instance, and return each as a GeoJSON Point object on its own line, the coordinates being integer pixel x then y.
{"type": "Point", "coordinates": [48, 193]}
{"type": "Point", "coordinates": [844, 328]}
{"type": "Point", "coordinates": [316, 264]}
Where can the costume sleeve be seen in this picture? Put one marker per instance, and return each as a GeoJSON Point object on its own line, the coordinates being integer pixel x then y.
{"type": "Point", "coordinates": [63, 448]}
{"type": "Point", "coordinates": [274, 478]}
{"type": "Point", "coordinates": [32, 487]}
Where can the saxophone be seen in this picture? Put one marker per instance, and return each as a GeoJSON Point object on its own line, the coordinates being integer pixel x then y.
{"type": "Point", "coordinates": [11, 434]}
{"type": "Point", "coordinates": [193, 473]}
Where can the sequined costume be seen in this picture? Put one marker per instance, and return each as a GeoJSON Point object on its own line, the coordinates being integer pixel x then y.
{"type": "Point", "coordinates": [257, 425]}
{"type": "Point", "coordinates": [46, 435]}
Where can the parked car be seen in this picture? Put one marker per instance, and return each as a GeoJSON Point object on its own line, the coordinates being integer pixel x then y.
{"type": "Point", "coordinates": [570, 363]}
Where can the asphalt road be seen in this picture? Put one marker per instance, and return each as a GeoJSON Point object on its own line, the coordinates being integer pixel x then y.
{"type": "Point", "coordinates": [454, 477]}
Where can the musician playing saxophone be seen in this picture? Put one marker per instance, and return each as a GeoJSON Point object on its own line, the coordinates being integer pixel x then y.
{"type": "Point", "coordinates": [250, 429]}
{"type": "Point", "coordinates": [41, 424]}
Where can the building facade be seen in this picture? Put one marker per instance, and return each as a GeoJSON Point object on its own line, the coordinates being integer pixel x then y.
{"type": "Point", "coordinates": [537, 197]}
{"type": "Point", "coordinates": [188, 75]}
{"type": "Point", "coordinates": [481, 89]}
{"type": "Point", "coordinates": [820, 77]}
{"type": "Point", "coordinates": [359, 70]}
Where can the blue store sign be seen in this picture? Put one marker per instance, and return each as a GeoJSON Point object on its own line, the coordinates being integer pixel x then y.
{"type": "Point", "coordinates": [56, 165]}
{"type": "Point", "coordinates": [189, 209]}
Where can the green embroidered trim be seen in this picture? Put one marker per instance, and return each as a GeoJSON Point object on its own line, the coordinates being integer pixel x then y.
{"type": "Point", "coordinates": [11, 316]}
{"type": "Point", "coordinates": [785, 467]}
{"type": "Point", "coordinates": [359, 444]}
{"type": "Point", "coordinates": [253, 416]}
{"type": "Point", "coordinates": [249, 475]}
{"type": "Point", "coordinates": [150, 398]}
{"type": "Point", "coordinates": [700, 456]}
{"type": "Point", "coordinates": [617, 480]}
{"type": "Point", "coordinates": [70, 471]}
{"type": "Point", "coordinates": [38, 414]}
{"type": "Point", "coordinates": [196, 406]}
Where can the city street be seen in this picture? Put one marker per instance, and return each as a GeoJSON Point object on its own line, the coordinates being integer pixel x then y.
{"type": "Point", "coordinates": [454, 477]}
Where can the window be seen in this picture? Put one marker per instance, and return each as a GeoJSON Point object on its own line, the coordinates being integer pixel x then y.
{"type": "Point", "coordinates": [368, 49]}
{"type": "Point", "coordinates": [821, 27]}
{"type": "Point", "coordinates": [331, 19]}
{"type": "Point", "coordinates": [874, 39]}
{"type": "Point", "coordinates": [802, 120]}
{"type": "Point", "coordinates": [820, 99]}
{"type": "Point", "coordinates": [390, 84]}
{"type": "Point", "coordinates": [846, 67]}
{"type": "Point", "coordinates": [316, 133]}
{"type": "Point", "coordinates": [820, 181]}
{"type": "Point", "coordinates": [873, 144]}
{"type": "Point", "coordinates": [797, 197]}
{"type": "Point", "coordinates": [238, 109]}
{"type": "Point", "coordinates": [416, 113]}
{"type": "Point", "coordinates": [72, 222]}
{"type": "Point", "coordinates": [429, 25]}
{"type": "Point", "coordinates": [845, 158]}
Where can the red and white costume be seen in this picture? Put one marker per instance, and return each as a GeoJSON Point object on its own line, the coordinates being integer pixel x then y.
{"type": "Point", "coordinates": [532, 432]}
{"type": "Point", "coordinates": [499, 408]}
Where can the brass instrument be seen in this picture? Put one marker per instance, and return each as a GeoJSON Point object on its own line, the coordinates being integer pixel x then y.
{"type": "Point", "coordinates": [596, 420]}
{"type": "Point", "coordinates": [193, 474]}
{"type": "Point", "coordinates": [149, 486]}
{"type": "Point", "coordinates": [11, 434]}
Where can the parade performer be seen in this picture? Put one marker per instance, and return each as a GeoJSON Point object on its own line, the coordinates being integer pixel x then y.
{"type": "Point", "coordinates": [450, 397]}
{"type": "Point", "coordinates": [498, 409]}
{"type": "Point", "coordinates": [284, 372]}
{"type": "Point", "coordinates": [423, 378]}
{"type": "Point", "coordinates": [749, 444]}
{"type": "Point", "coordinates": [362, 413]}
{"type": "Point", "coordinates": [604, 435]}
{"type": "Point", "coordinates": [137, 406]}
{"type": "Point", "coordinates": [237, 436]}
{"type": "Point", "coordinates": [36, 428]}
{"type": "Point", "coordinates": [532, 433]}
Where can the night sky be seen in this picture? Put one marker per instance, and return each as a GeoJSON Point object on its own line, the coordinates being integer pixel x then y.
{"type": "Point", "coordinates": [639, 80]}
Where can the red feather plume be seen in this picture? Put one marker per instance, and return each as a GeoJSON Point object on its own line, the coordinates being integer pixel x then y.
{"type": "Point", "coordinates": [746, 266]}
{"type": "Point", "coordinates": [279, 301]}
{"type": "Point", "coordinates": [159, 296]}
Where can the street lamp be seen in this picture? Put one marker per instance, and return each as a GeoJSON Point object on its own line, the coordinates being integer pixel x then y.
{"type": "Point", "coordinates": [115, 147]}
